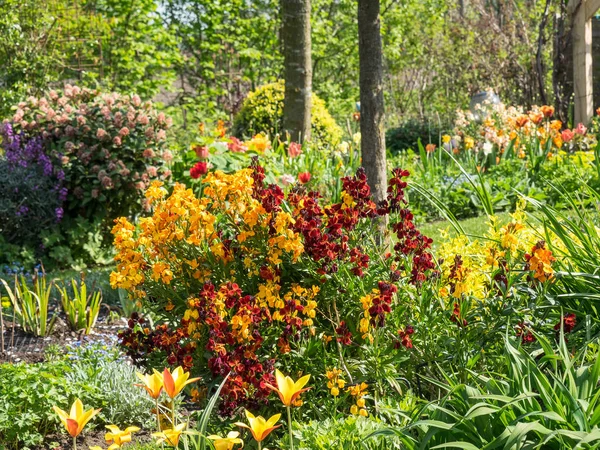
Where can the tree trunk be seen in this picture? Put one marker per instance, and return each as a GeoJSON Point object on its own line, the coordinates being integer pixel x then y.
{"type": "Point", "coordinates": [371, 98]}
{"type": "Point", "coordinates": [295, 33]}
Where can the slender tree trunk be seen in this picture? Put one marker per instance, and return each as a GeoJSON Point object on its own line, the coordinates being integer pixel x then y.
{"type": "Point", "coordinates": [295, 33]}
{"type": "Point", "coordinates": [371, 98]}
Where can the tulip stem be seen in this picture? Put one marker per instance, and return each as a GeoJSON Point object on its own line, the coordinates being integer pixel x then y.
{"type": "Point", "coordinates": [259, 446]}
{"type": "Point", "coordinates": [289, 414]}
{"type": "Point", "coordinates": [75, 443]}
{"type": "Point", "coordinates": [158, 416]}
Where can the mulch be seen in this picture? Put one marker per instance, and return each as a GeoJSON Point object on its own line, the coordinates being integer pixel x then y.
{"type": "Point", "coordinates": [87, 439]}
{"type": "Point", "coordinates": [17, 346]}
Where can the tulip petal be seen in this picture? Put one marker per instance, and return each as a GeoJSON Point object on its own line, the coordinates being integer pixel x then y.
{"type": "Point", "coordinates": [72, 427]}
{"type": "Point", "coordinates": [267, 431]}
{"type": "Point", "coordinates": [169, 383]}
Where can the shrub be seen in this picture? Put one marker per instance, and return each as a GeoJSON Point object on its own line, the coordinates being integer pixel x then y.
{"type": "Point", "coordinates": [262, 112]}
{"type": "Point", "coordinates": [97, 153]}
{"type": "Point", "coordinates": [409, 132]}
{"type": "Point", "coordinates": [235, 278]}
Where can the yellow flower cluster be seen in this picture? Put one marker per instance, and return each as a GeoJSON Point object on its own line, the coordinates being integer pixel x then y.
{"type": "Point", "coordinates": [179, 240]}
{"type": "Point", "coordinates": [335, 382]}
{"type": "Point", "coordinates": [358, 391]}
{"type": "Point", "coordinates": [365, 322]}
{"type": "Point", "coordinates": [478, 259]}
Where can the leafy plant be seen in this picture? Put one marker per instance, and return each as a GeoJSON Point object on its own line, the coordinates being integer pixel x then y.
{"type": "Point", "coordinates": [262, 112]}
{"type": "Point", "coordinates": [547, 399]}
{"type": "Point", "coordinates": [27, 393]}
{"type": "Point", "coordinates": [31, 307]}
{"type": "Point", "coordinates": [82, 309]}
{"type": "Point", "coordinates": [109, 384]}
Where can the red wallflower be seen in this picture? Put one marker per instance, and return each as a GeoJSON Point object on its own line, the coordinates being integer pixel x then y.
{"type": "Point", "coordinates": [569, 321]}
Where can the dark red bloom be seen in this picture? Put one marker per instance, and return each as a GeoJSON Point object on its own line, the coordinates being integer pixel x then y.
{"type": "Point", "coordinates": [304, 177]}
{"type": "Point", "coordinates": [343, 334]}
{"type": "Point", "coordinates": [405, 339]}
{"type": "Point", "coordinates": [569, 321]}
{"type": "Point", "coordinates": [199, 169]}
{"type": "Point", "coordinates": [523, 331]}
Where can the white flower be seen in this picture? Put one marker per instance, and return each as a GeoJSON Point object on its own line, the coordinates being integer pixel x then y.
{"type": "Point", "coordinates": [487, 148]}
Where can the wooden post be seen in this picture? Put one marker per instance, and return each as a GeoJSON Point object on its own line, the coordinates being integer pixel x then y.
{"type": "Point", "coordinates": [582, 12]}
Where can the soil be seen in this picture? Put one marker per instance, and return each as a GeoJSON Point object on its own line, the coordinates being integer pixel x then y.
{"type": "Point", "coordinates": [18, 346]}
{"type": "Point", "coordinates": [87, 440]}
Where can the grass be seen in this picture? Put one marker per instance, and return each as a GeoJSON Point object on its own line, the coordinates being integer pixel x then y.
{"type": "Point", "coordinates": [475, 226]}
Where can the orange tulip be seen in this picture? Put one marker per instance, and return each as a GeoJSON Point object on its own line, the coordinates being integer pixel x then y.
{"type": "Point", "coordinates": [175, 381]}
{"type": "Point", "coordinates": [77, 418]}
{"type": "Point", "coordinates": [152, 383]}
{"type": "Point", "coordinates": [259, 427]}
{"type": "Point", "coordinates": [288, 389]}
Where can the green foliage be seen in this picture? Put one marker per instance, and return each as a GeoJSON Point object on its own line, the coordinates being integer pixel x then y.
{"type": "Point", "coordinates": [82, 309]}
{"type": "Point", "coordinates": [28, 53]}
{"type": "Point", "coordinates": [30, 307]}
{"type": "Point", "coordinates": [577, 243]}
{"type": "Point", "coordinates": [547, 399]}
{"type": "Point", "coordinates": [230, 47]}
{"type": "Point", "coordinates": [347, 434]}
{"type": "Point", "coordinates": [120, 45]}
{"type": "Point", "coordinates": [27, 394]}
{"type": "Point", "coordinates": [139, 53]}
{"type": "Point", "coordinates": [109, 384]}
{"type": "Point", "coordinates": [407, 134]}
{"type": "Point", "coordinates": [262, 112]}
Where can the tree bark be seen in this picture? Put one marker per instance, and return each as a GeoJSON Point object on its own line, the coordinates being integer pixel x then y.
{"type": "Point", "coordinates": [371, 98]}
{"type": "Point", "coordinates": [295, 33]}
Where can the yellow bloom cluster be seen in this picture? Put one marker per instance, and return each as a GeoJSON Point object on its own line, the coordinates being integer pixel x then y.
{"type": "Point", "coordinates": [478, 259]}
{"type": "Point", "coordinates": [358, 391]}
{"type": "Point", "coordinates": [365, 322]}
{"type": "Point", "coordinates": [179, 240]}
{"type": "Point", "coordinates": [335, 382]}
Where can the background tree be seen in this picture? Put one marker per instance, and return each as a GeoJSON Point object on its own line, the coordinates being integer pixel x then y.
{"type": "Point", "coordinates": [295, 34]}
{"type": "Point", "coordinates": [371, 98]}
{"type": "Point", "coordinates": [228, 48]}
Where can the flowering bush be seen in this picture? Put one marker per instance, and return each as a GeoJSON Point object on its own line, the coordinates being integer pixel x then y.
{"type": "Point", "coordinates": [30, 201]}
{"type": "Point", "coordinates": [94, 153]}
{"type": "Point", "coordinates": [246, 274]}
{"type": "Point", "coordinates": [104, 149]}
{"type": "Point", "coordinates": [262, 112]}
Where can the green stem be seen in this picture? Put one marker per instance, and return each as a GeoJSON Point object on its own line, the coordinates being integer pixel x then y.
{"type": "Point", "coordinates": [75, 443]}
{"type": "Point", "coordinates": [289, 414]}
{"type": "Point", "coordinates": [259, 446]}
{"type": "Point", "coordinates": [157, 416]}
{"type": "Point", "coordinates": [173, 413]}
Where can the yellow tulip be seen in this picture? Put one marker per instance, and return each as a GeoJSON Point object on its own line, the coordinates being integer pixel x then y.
{"type": "Point", "coordinates": [288, 389]}
{"type": "Point", "coordinates": [77, 418]}
{"type": "Point", "coordinates": [226, 443]}
{"type": "Point", "coordinates": [175, 381]}
{"type": "Point", "coordinates": [119, 436]}
{"type": "Point", "coordinates": [170, 436]}
{"type": "Point", "coordinates": [260, 427]}
{"type": "Point", "coordinates": [152, 383]}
